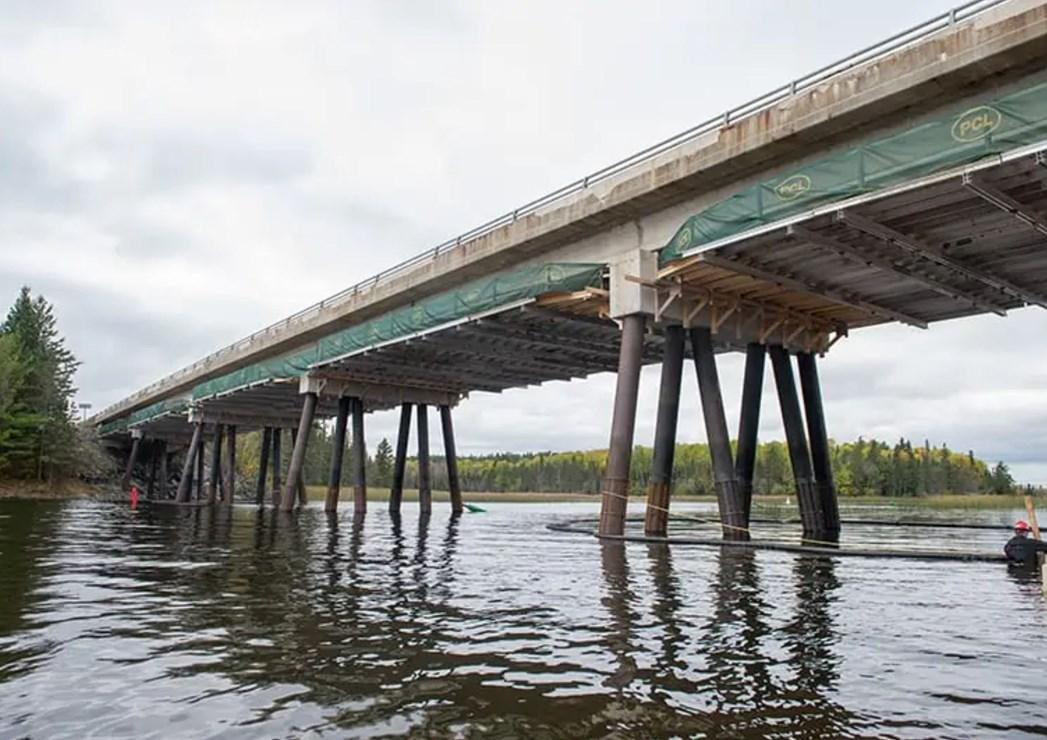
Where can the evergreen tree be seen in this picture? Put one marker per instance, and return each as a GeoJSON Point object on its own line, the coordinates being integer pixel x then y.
{"type": "Point", "coordinates": [383, 463]}
{"type": "Point", "coordinates": [41, 439]}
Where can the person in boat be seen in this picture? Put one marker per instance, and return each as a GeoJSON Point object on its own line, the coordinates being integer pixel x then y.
{"type": "Point", "coordinates": [1023, 549]}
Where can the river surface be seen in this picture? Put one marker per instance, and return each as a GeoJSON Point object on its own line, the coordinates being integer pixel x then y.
{"type": "Point", "coordinates": [191, 623]}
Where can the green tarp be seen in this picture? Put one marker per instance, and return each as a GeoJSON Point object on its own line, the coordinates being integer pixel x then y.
{"type": "Point", "coordinates": [473, 298]}
{"type": "Point", "coordinates": [966, 135]}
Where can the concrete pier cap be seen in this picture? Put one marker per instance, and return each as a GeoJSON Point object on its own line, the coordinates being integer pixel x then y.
{"type": "Point", "coordinates": [373, 394]}
{"type": "Point", "coordinates": [629, 295]}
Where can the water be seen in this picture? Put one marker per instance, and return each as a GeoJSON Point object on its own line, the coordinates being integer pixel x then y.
{"type": "Point", "coordinates": [189, 623]}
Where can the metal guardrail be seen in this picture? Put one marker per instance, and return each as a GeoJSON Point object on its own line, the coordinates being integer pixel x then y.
{"type": "Point", "coordinates": [893, 43]}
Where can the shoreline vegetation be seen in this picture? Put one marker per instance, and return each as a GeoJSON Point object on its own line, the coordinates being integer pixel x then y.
{"type": "Point", "coordinates": [767, 502]}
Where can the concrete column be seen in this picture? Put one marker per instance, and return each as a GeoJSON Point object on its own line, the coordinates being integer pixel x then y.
{"type": "Point", "coordinates": [623, 424]}
{"type": "Point", "coordinates": [732, 510]}
{"type": "Point", "coordinates": [301, 441]}
{"type": "Point", "coordinates": [396, 493]}
{"type": "Point", "coordinates": [186, 481]}
{"type": "Point", "coordinates": [656, 518]}
{"type": "Point", "coordinates": [277, 463]}
{"type": "Point", "coordinates": [451, 456]}
{"type": "Point", "coordinates": [748, 422]}
{"type": "Point", "coordinates": [334, 482]}
{"type": "Point", "coordinates": [359, 458]}
{"type": "Point", "coordinates": [799, 455]}
{"type": "Point", "coordinates": [263, 465]}
{"type": "Point", "coordinates": [816, 432]}
{"type": "Point", "coordinates": [132, 460]}
{"type": "Point", "coordinates": [216, 464]}
{"type": "Point", "coordinates": [230, 480]}
{"type": "Point", "coordinates": [425, 486]}
{"type": "Point", "coordinates": [150, 488]}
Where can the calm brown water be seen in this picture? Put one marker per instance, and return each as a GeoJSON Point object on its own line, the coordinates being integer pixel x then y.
{"type": "Point", "coordinates": [204, 624]}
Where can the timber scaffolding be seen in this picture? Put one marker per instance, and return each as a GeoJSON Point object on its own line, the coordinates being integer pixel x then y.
{"type": "Point", "coordinates": [935, 218]}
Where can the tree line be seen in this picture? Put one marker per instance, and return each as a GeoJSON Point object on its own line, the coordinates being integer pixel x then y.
{"type": "Point", "coordinates": [861, 468]}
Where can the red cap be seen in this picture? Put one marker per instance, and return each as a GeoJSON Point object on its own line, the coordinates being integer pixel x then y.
{"type": "Point", "coordinates": [1022, 526]}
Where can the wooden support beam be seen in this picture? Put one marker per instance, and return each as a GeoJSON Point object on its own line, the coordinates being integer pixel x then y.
{"type": "Point", "coordinates": [843, 298]}
{"type": "Point", "coordinates": [917, 249]}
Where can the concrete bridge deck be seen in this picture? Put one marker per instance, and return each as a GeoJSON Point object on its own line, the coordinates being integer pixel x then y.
{"type": "Point", "coordinates": [639, 204]}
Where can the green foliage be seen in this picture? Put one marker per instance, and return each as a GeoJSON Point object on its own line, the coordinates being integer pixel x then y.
{"type": "Point", "coordinates": [37, 436]}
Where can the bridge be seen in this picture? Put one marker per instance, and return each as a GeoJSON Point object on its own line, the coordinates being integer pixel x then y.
{"type": "Point", "coordinates": [902, 184]}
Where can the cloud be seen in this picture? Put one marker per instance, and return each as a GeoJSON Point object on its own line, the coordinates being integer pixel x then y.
{"type": "Point", "coordinates": [176, 176]}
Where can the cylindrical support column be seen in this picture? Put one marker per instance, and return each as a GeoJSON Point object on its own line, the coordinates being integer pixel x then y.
{"type": "Point", "coordinates": [732, 510]}
{"type": "Point", "coordinates": [277, 465]}
{"type": "Point", "coordinates": [132, 460]}
{"type": "Point", "coordinates": [185, 483]}
{"type": "Point", "coordinates": [200, 452]}
{"type": "Point", "coordinates": [216, 464]}
{"type": "Point", "coordinates": [300, 482]}
{"type": "Point", "coordinates": [656, 518]}
{"type": "Point", "coordinates": [162, 488]}
{"type": "Point", "coordinates": [154, 461]}
{"type": "Point", "coordinates": [230, 465]}
{"type": "Point", "coordinates": [359, 458]}
{"type": "Point", "coordinates": [396, 493]}
{"type": "Point", "coordinates": [425, 485]}
{"type": "Point", "coordinates": [334, 483]}
{"type": "Point", "coordinates": [294, 471]}
{"type": "Point", "coordinates": [819, 438]}
{"type": "Point", "coordinates": [263, 465]}
{"type": "Point", "coordinates": [623, 424]}
{"type": "Point", "coordinates": [748, 422]}
{"type": "Point", "coordinates": [451, 455]}
{"type": "Point", "coordinates": [799, 455]}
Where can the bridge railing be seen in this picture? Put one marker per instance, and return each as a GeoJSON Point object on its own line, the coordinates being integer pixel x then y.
{"type": "Point", "coordinates": [883, 48]}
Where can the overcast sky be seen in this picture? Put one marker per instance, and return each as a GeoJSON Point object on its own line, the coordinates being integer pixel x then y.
{"type": "Point", "coordinates": [174, 176]}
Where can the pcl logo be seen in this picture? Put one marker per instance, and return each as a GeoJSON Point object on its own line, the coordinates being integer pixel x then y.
{"type": "Point", "coordinates": [977, 123]}
{"type": "Point", "coordinates": [792, 187]}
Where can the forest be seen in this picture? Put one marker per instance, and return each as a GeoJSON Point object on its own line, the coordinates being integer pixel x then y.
{"type": "Point", "coordinates": [861, 468]}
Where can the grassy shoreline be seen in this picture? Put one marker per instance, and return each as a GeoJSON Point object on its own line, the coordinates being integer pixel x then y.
{"type": "Point", "coordinates": [78, 489]}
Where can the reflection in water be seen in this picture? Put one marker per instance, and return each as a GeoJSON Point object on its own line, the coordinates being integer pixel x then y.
{"type": "Point", "coordinates": [255, 623]}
